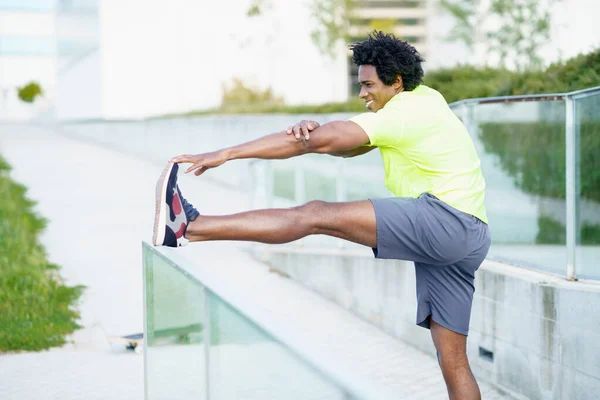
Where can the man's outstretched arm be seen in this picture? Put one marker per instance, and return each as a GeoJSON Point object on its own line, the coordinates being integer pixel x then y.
{"type": "Point", "coordinates": [330, 138]}
{"type": "Point", "coordinates": [302, 129]}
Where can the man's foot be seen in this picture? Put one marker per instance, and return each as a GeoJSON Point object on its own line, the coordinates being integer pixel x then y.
{"type": "Point", "coordinates": [173, 212]}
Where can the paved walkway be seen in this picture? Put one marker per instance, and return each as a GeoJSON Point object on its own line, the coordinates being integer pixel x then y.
{"type": "Point", "coordinates": [100, 205]}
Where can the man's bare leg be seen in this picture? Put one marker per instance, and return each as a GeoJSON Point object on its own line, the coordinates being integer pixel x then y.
{"type": "Point", "coordinates": [354, 221]}
{"type": "Point", "coordinates": [452, 357]}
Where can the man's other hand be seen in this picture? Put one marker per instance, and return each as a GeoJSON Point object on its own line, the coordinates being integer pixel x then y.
{"type": "Point", "coordinates": [201, 162]}
{"type": "Point", "coordinates": [302, 129]}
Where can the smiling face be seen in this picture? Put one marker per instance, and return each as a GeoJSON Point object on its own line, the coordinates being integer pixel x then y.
{"type": "Point", "coordinates": [373, 91]}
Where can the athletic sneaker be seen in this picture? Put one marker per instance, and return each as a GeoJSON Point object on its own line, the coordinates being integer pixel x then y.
{"type": "Point", "coordinates": [173, 212]}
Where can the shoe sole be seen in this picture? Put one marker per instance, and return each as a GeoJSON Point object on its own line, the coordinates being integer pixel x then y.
{"type": "Point", "coordinates": [160, 215]}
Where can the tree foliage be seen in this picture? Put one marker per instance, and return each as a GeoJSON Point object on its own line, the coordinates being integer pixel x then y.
{"type": "Point", "coordinates": [332, 18]}
{"type": "Point", "coordinates": [465, 13]}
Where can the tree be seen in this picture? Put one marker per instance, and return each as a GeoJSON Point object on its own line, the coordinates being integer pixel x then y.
{"type": "Point", "coordinates": [509, 29]}
{"type": "Point", "coordinates": [465, 13]}
{"type": "Point", "coordinates": [332, 18]}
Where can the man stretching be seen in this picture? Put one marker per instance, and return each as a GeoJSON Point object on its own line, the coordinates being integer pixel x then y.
{"type": "Point", "coordinates": [437, 218]}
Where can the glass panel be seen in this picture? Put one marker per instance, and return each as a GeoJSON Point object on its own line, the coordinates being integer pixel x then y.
{"type": "Point", "coordinates": [364, 177]}
{"type": "Point", "coordinates": [522, 151]}
{"type": "Point", "coordinates": [587, 126]}
{"type": "Point", "coordinates": [174, 345]}
{"type": "Point", "coordinates": [246, 363]}
{"type": "Point", "coordinates": [283, 183]}
{"type": "Point", "coordinates": [68, 48]}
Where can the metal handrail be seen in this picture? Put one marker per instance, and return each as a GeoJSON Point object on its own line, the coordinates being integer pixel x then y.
{"type": "Point", "coordinates": [528, 97]}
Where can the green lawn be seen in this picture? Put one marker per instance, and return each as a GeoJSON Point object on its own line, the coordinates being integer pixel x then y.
{"type": "Point", "coordinates": [36, 309]}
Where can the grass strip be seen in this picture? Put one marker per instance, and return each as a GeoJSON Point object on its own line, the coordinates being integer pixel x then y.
{"type": "Point", "coordinates": [37, 310]}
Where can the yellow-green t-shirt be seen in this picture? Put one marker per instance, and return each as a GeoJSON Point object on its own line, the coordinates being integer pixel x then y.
{"type": "Point", "coordinates": [426, 148]}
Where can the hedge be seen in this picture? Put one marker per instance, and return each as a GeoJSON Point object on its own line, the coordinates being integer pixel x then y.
{"type": "Point", "coordinates": [464, 82]}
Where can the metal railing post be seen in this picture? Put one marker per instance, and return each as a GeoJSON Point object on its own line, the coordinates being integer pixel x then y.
{"type": "Point", "coordinates": [148, 294]}
{"type": "Point", "coordinates": [571, 185]}
{"type": "Point", "coordinates": [206, 337]}
{"type": "Point", "coordinates": [340, 182]}
{"type": "Point", "coordinates": [340, 188]}
{"type": "Point", "coordinates": [299, 194]}
{"type": "Point", "coordinates": [269, 178]}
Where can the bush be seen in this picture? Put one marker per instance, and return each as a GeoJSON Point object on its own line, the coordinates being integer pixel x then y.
{"type": "Point", "coordinates": [240, 95]}
{"type": "Point", "coordinates": [29, 92]}
{"type": "Point", "coordinates": [577, 73]}
{"type": "Point", "coordinates": [465, 82]}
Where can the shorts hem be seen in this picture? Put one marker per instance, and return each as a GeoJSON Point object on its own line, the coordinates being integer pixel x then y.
{"type": "Point", "coordinates": [424, 323]}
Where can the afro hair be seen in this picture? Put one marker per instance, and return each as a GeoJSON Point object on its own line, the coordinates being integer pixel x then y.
{"type": "Point", "coordinates": [390, 57]}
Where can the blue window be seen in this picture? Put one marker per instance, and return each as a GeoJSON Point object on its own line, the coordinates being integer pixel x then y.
{"type": "Point", "coordinates": [72, 48]}
{"type": "Point", "coordinates": [63, 6]}
{"type": "Point", "coordinates": [27, 5]}
{"type": "Point", "coordinates": [27, 46]}
{"type": "Point", "coordinates": [77, 6]}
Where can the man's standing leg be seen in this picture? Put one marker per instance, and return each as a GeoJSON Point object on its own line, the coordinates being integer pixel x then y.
{"type": "Point", "coordinates": [452, 355]}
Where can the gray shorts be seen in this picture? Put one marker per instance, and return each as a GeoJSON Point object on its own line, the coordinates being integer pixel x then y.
{"type": "Point", "coordinates": [447, 247]}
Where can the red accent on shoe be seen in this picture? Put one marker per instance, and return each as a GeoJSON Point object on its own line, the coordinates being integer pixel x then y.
{"type": "Point", "coordinates": [177, 204]}
{"type": "Point", "coordinates": [179, 233]}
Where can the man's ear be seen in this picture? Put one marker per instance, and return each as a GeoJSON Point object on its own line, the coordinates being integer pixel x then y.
{"type": "Point", "coordinates": [398, 84]}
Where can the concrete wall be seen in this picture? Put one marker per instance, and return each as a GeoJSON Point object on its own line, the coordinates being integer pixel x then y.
{"type": "Point", "coordinates": [532, 334]}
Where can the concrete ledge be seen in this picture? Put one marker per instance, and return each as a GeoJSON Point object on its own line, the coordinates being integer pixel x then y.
{"type": "Point", "coordinates": [531, 333]}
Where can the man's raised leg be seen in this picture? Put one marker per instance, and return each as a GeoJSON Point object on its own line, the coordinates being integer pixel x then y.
{"type": "Point", "coordinates": [452, 356]}
{"type": "Point", "coordinates": [353, 221]}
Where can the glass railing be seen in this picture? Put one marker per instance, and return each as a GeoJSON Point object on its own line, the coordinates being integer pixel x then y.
{"type": "Point", "coordinates": [199, 346]}
{"type": "Point", "coordinates": [540, 158]}
{"type": "Point", "coordinates": [585, 176]}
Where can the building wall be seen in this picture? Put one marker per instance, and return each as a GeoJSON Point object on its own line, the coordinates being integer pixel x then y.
{"type": "Point", "coordinates": [79, 75]}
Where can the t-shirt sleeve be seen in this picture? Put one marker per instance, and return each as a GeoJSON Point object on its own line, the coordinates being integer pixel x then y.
{"type": "Point", "coordinates": [384, 127]}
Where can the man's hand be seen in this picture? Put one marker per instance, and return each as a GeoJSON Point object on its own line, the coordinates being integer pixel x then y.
{"type": "Point", "coordinates": [302, 129]}
{"type": "Point", "coordinates": [201, 162]}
